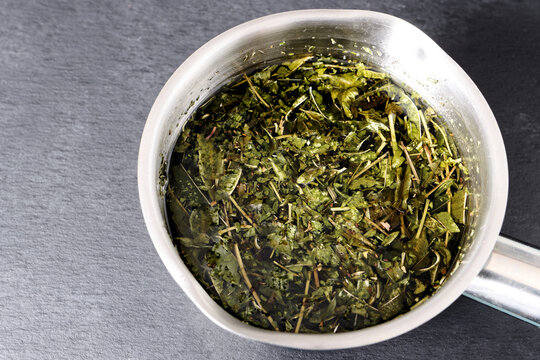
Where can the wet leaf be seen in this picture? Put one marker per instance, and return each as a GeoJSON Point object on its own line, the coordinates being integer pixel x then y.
{"type": "Point", "coordinates": [446, 220]}
{"type": "Point", "coordinates": [459, 202]}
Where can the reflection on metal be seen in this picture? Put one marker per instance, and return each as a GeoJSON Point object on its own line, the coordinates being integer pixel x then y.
{"type": "Point", "coordinates": [510, 282]}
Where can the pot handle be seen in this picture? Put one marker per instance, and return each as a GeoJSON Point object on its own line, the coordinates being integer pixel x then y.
{"type": "Point", "coordinates": [510, 281]}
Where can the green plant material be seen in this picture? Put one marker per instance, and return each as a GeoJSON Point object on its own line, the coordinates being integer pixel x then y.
{"type": "Point", "coordinates": [459, 202]}
{"type": "Point", "coordinates": [316, 196]}
{"type": "Point", "coordinates": [446, 220]}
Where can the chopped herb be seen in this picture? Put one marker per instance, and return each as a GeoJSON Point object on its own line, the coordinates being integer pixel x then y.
{"type": "Point", "coordinates": [316, 196]}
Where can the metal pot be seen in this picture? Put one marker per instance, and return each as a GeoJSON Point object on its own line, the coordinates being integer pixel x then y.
{"type": "Point", "coordinates": [412, 58]}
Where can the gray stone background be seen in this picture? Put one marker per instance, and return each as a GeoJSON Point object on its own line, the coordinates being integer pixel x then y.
{"type": "Point", "coordinates": [79, 277]}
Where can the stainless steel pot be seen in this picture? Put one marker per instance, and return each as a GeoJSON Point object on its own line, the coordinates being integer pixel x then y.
{"type": "Point", "coordinates": [413, 59]}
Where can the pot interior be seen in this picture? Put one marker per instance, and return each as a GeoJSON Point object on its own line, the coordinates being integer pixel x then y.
{"type": "Point", "coordinates": [390, 44]}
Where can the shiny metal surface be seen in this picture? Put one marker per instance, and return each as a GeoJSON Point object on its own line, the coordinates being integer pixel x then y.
{"type": "Point", "coordinates": [510, 281]}
{"type": "Point", "coordinates": [382, 40]}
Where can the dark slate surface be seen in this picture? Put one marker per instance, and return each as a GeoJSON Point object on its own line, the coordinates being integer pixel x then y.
{"type": "Point", "coordinates": [79, 277]}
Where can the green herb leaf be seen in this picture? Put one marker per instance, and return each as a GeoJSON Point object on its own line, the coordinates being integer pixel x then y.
{"type": "Point", "coordinates": [447, 221]}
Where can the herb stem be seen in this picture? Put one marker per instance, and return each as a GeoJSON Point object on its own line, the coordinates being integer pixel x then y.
{"type": "Point", "coordinates": [195, 184]}
{"type": "Point", "coordinates": [255, 91]}
{"type": "Point", "coordinates": [283, 136]}
{"type": "Point", "coordinates": [333, 223]}
{"type": "Point", "coordinates": [242, 211]}
{"type": "Point", "coordinates": [428, 154]}
{"type": "Point", "coordinates": [315, 103]}
{"type": "Point", "coordinates": [437, 260]}
{"type": "Point", "coordinates": [389, 301]}
{"type": "Point", "coordinates": [284, 268]}
{"type": "Point", "coordinates": [299, 62]}
{"type": "Point", "coordinates": [391, 122]}
{"type": "Point", "coordinates": [422, 220]}
{"type": "Point", "coordinates": [372, 223]}
{"type": "Point", "coordinates": [351, 295]}
{"type": "Point", "coordinates": [381, 148]}
{"type": "Point", "coordinates": [211, 133]}
{"type": "Point", "coordinates": [223, 231]}
{"type": "Point", "coordinates": [410, 162]}
{"type": "Point", "coordinates": [250, 286]}
{"type": "Point", "coordinates": [345, 208]}
{"type": "Point", "coordinates": [442, 182]}
{"type": "Point", "coordinates": [368, 167]}
{"type": "Point", "coordinates": [303, 308]}
{"type": "Point", "coordinates": [271, 183]}
{"type": "Point", "coordinates": [364, 240]}
{"type": "Point", "coordinates": [402, 263]}
{"type": "Point", "coordinates": [443, 134]}
{"type": "Point", "coordinates": [386, 171]}
{"type": "Point", "coordinates": [424, 123]}
{"type": "Point", "coordinates": [449, 209]}
{"type": "Point", "coordinates": [171, 193]}
{"type": "Point", "coordinates": [289, 212]}
{"type": "Point", "coordinates": [402, 221]}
